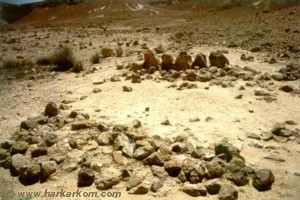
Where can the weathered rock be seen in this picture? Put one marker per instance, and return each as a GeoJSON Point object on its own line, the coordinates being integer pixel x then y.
{"type": "Point", "coordinates": [121, 141]}
{"type": "Point", "coordinates": [198, 153]}
{"type": "Point", "coordinates": [150, 61]}
{"type": "Point", "coordinates": [29, 124]}
{"type": "Point", "coordinates": [174, 166]}
{"type": "Point", "coordinates": [263, 180]}
{"type": "Point", "coordinates": [278, 129]}
{"type": "Point", "coordinates": [4, 154]}
{"type": "Point", "coordinates": [51, 109]}
{"type": "Point", "coordinates": [237, 172]}
{"type": "Point", "coordinates": [155, 159]}
{"type": "Point", "coordinates": [228, 192]}
{"type": "Point", "coordinates": [18, 163]}
{"type": "Point", "coordinates": [82, 124]}
{"type": "Point", "coordinates": [50, 139]}
{"type": "Point", "coordinates": [200, 61]}
{"type": "Point", "coordinates": [286, 88]}
{"type": "Point", "coordinates": [127, 89]}
{"type": "Point", "coordinates": [105, 138]}
{"type": "Point", "coordinates": [119, 158]}
{"type": "Point", "coordinates": [6, 144]}
{"type": "Point", "coordinates": [228, 149]}
{"type": "Point", "coordinates": [167, 62]}
{"type": "Point", "coordinates": [218, 59]}
{"type": "Point", "coordinates": [191, 75]}
{"type": "Point", "coordinates": [278, 77]}
{"type": "Point", "coordinates": [159, 49]}
{"type": "Point", "coordinates": [166, 122]}
{"type": "Point", "coordinates": [107, 52]}
{"type": "Point", "coordinates": [19, 147]}
{"type": "Point", "coordinates": [86, 177]}
{"type": "Point", "coordinates": [70, 164]}
{"type": "Point", "coordinates": [140, 189]}
{"type": "Point", "coordinates": [213, 186]}
{"type": "Point", "coordinates": [143, 152]}
{"type": "Point", "coordinates": [194, 190]}
{"type": "Point", "coordinates": [128, 150]}
{"type": "Point", "coordinates": [156, 185]}
{"type": "Point", "coordinates": [179, 147]}
{"type": "Point", "coordinates": [32, 173]}
{"type": "Point", "coordinates": [40, 119]}
{"type": "Point", "coordinates": [134, 181]}
{"type": "Point", "coordinates": [48, 168]}
{"type": "Point", "coordinates": [159, 172]}
{"type": "Point", "coordinates": [39, 151]}
{"type": "Point", "coordinates": [216, 168]}
{"type": "Point", "coordinates": [193, 170]}
{"type": "Point", "coordinates": [108, 179]}
{"type": "Point", "coordinates": [182, 62]}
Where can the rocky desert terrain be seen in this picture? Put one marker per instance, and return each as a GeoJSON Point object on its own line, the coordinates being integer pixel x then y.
{"type": "Point", "coordinates": [181, 100]}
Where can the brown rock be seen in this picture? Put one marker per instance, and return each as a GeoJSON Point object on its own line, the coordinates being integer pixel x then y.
{"type": "Point", "coordinates": [150, 61]}
{"type": "Point", "coordinates": [167, 62]}
{"type": "Point", "coordinates": [218, 59]}
{"type": "Point", "coordinates": [200, 61]}
{"type": "Point", "coordinates": [182, 62]}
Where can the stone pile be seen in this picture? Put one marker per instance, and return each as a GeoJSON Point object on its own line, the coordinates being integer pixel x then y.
{"type": "Point", "coordinates": [107, 154]}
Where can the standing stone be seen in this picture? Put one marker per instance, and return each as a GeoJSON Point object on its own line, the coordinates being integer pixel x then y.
{"type": "Point", "coordinates": [167, 62]}
{"type": "Point", "coordinates": [218, 59]}
{"type": "Point", "coordinates": [51, 109]}
{"type": "Point", "coordinates": [150, 61]}
{"type": "Point", "coordinates": [182, 62]}
{"type": "Point", "coordinates": [200, 61]}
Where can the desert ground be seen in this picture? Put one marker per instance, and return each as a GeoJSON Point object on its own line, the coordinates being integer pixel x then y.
{"type": "Point", "coordinates": [251, 101]}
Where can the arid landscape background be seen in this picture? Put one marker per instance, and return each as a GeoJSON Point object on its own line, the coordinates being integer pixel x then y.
{"type": "Point", "coordinates": [137, 97]}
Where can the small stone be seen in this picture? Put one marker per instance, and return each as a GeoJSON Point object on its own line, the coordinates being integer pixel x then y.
{"type": "Point", "coordinates": [133, 181]}
{"type": "Point", "coordinates": [166, 122]}
{"type": "Point", "coordinates": [32, 173]}
{"type": "Point", "coordinates": [29, 124]}
{"type": "Point", "coordinates": [19, 147]}
{"type": "Point", "coordinates": [40, 151]}
{"type": "Point", "coordinates": [143, 152]}
{"type": "Point", "coordinates": [86, 177]}
{"type": "Point", "coordinates": [253, 136]}
{"type": "Point", "coordinates": [213, 186]}
{"type": "Point", "coordinates": [198, 153]}
{"type": "Point", "coordinates": [119, 158]}
{"type": "Point", "coordinates": [50, 139]}
{"type": "Point", "coordinates": [97, 90]}
{"type": "Point", "coordinates": [228, 192]}
{"type": "Point", "coordinates": [173, 167]}
{"type": "Point", "coordinates": [18, 163]}
{"type": "Point", "coordinates": [48, 168]}
{"type": "Point", "coordinates": [159, 172]}
{"type": "Point", "coordinates": [155, 159]}
{"type": "Point", "coordinates": [127, 89]}
{"type": "Point", "coordinates": [286, 88]}
{"type": "Point", "coordinates": [194, 190]}
{"type": "Point", "coordinates": [105, 138]}
{"type": "Point", "coordinates": [240, 96]}
{"type": "Point", "coordinates": [140, 189]}
{"type": "Point", "coordinates": [83, 124]}
{"type": "Point", "coordinates": [156, 185]}
{"type": "Point", "coordinates": [263, 180]}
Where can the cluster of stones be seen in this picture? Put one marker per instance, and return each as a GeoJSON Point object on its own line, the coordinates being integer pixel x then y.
{"type": "Point", "coordinates": [217, 71]}
{"type": "Point", "coordinates": [289, 73]}
{"type": "Point", "coordinates": [38, 152]}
